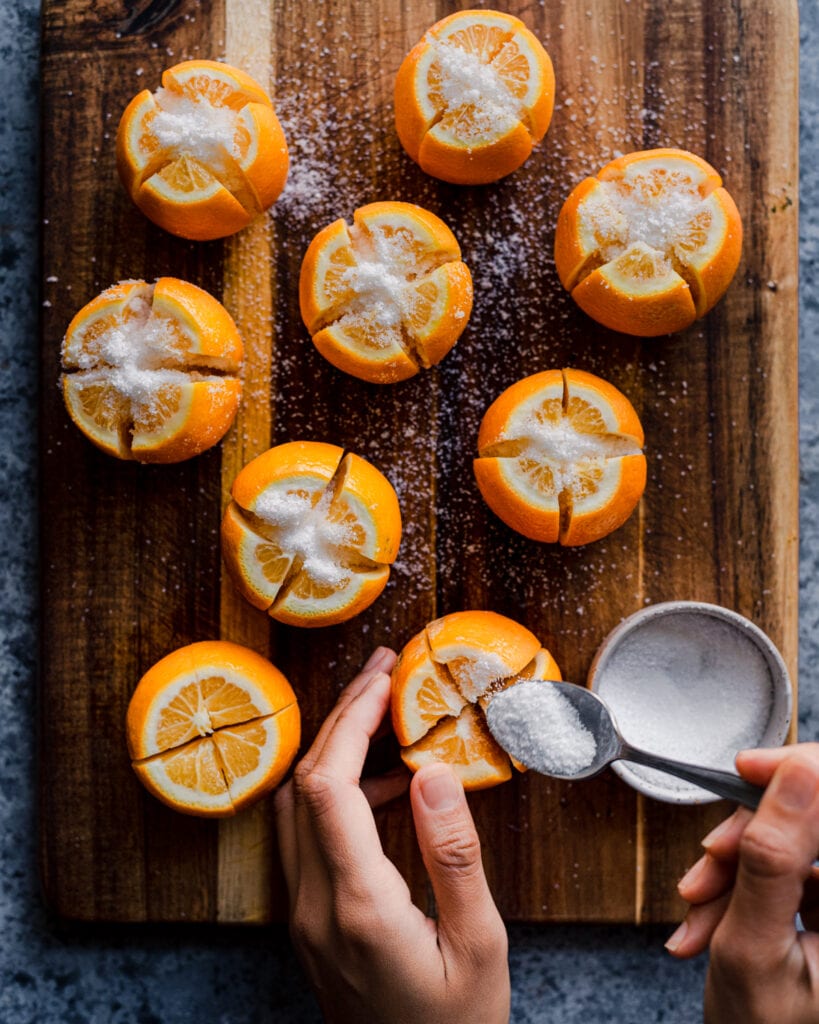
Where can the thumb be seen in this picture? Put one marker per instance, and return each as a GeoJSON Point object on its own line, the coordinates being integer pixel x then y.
{"type": "Point", "coordinates": [452, 855]}
{"type": "Point", "coordinates": [775, 856]}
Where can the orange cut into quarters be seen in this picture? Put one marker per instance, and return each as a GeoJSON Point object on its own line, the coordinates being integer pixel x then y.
{"type": "Point", "coordinates": [387, 295]}
{"type": "Point", "coordinates": [442, 682]}
{"type": "Point", "coordinates": [151, 370]}
{"type": "Point", "coordinates": [560, 457]}
{"type": "Point", "coordinates": [474, 97]}
{"type": "Point", "coordinates": [204, 154]}
{"type": "Point", "coordinates": [311, 533]}
{"type": "Point", "coordinates": [650, 244]}
{"type": "Point", "coordinates": [211, 728]}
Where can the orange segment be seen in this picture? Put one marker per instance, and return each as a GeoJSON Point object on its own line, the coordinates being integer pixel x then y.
{"type": "Point", "coordinates": [649, 244]}
{"type": "Point", "coordinates": [212, 727]}
{"type": "Point", "coordinates": [559, 457]}
{"type": "Point", "coordinates": [442, 680]}
{"type": "Point", "coordinates": [467, 746]}
{"type": "Point", "coordinates": [309, 535]}
{"type": "Point", "coordinates": [205, 153]}
{"type": "Point", "coordinates": [149, 370]}
{"type": "Point", "coordinates": [388, 294]}
{"type": "Point", "coordinates": [473, 97]}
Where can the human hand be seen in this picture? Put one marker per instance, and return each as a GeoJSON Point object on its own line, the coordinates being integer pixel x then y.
{"type": "Point", "coordinates": [746, 890]}
{"type": "Point", "coordinates": [370, 953]}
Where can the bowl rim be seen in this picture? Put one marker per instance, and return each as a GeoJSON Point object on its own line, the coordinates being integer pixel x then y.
{"type": "Point", "coordinates": [780, 678]}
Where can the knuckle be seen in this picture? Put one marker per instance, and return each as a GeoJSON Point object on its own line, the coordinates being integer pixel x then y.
{"type": "Point", "coordinates": [314, 788]}
{"type": "Point", "coordinates": [459, 849]}
{"type": "Point", "coordinates": [764, 851]}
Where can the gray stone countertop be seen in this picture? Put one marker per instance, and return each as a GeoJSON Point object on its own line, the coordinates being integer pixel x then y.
{"type": "Point", "coordinates": [57, 973]}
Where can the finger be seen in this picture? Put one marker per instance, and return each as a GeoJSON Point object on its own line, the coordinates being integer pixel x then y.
{"type": "Point", "coordinates": [381, 660]}
{"type": "Point", "coordinates": [723, 841]}
{"type": "Point", "coordinates": [380, 789]}
{"type": "Point", "coordinates": [707, 879]}
{"type": "Point", "coordinates": [758, 766]}
{"type": "Point", "coordinates": [452, 854]}
{"type": "Point", "coordinates": [331, 809]}
{"type": "Point", "coordinates": [696, 931]}
{"type": "Point", "coordinates": [775, 855]}
{"type": "Point", "coordinates": [286, 834]}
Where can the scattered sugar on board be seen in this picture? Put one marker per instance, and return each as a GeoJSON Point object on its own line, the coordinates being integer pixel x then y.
{"type": "Point", "coordinates": [697, 691]}
{"type": "Point", "coordinates": [540, 727]}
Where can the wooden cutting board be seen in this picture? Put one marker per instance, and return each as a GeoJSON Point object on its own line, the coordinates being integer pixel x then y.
{"type": "Point", "coordinates": [130, 560]}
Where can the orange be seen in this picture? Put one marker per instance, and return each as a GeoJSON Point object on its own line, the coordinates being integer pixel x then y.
{"type": "Point", "coordinates": [559, 457]}
{"type": "Point", "coordinates": [650, 244]}
{"type": "Point", "coordinates": [311, 533]}
{"type": "Point", "coordinates": [443, 678]}
{"type": "Point", "coordinates": [473, 97]}
{"type": "Point", "coordinates": [151, 370]}
{"type": "Point", "coordinates": [387, 295]}
{"type": "Point", "coordinates": [211, 728]}
{"type": "Point", "coordinates": [204, 154]}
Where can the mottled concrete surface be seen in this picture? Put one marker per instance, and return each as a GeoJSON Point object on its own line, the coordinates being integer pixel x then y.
{"type": "Point", "coordinates": [52, 973]}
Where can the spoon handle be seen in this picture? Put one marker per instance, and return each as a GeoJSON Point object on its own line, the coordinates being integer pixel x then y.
{"type": "Point", "coordinates": [724, 784]}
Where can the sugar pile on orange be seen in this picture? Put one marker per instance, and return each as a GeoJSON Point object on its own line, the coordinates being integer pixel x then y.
{"type": "Point", "coordinates": [386, 295]}
{"type": "Point", "coordinates": [211, 728]}
{"type": "Point", "coordinates": [151, 370]}
{"type": "Point", "coordinates": [204, 154]}
{"type": "Point", "coordinates": [311, 533]}
{"type": "Point", "coordinates": [473, 97]}
{"type": "Point", "coordinates": [650, 244]}
{"type": "Point", "coordinates": [441, 681]}
{"type": "Point", "coordinates": [560, 457]}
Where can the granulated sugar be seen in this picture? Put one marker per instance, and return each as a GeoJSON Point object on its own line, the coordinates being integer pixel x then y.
{"type": "Point", "coordinates": [194, 127]}
{"type": "Point", "coordinates": [474, 96]}
{"type": "Point", "coordinates": [541, 728]}
{"type": "Point", "coordinates": [695, 690]}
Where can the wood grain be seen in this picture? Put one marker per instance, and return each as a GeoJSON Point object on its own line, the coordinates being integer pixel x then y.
{"type": "Point", "coordinates": [130, 560]}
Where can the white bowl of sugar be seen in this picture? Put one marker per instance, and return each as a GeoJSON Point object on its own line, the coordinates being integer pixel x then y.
{"type": "Point", "coordinates": [695, 682]}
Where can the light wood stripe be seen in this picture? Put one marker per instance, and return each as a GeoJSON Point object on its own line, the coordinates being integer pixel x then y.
{"type": "Point", "coordinates": [245, 848]}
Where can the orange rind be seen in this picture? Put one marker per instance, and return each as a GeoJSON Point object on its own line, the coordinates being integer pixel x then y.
{"type": "Point", "coordinates": [442, 682]}
{"type": "Point", "coordinates": [386, 296]}
{"type": "Point", "coordinates": [151, 370]}
{"type": "Point", "coordinates": [474, 97]}
{"type": "Point", "coordinates": [311, 533]}
{"type": "Point", "coordinates": [650, 244]}
{"type": "Point", "coordinates": [204, 154]}
{"type": "Point", "coordinates": [559, 457]}
{"type": "Point", "coordinates": [211, 728]}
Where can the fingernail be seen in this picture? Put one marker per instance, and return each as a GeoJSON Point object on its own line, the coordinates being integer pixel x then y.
{"type": "Point", "coordinates": [692, 873]}
{"type": "Point", "coordinates": [440, 790]}
{"type": "Point", "coordinates": [374, 659]}
{"type": "Point", "coordinates": [717, 833]}
{"type": "Point", "coordinates": [795, 787]}
{"type": "Point", "coordinates": [676, 939]}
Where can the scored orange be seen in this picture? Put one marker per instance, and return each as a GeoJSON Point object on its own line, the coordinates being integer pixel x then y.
{"type": "Point", "coordinates": [386, 296]}
{"type": "Point", "coordinates": [204, 154]}
{"type": "Point", "coordinates": [150, 370]}
{"type": "Point", "coordinates": [473, 97]}
{"type": "Point", "coordinates": [650, 244]}
{"type": "Point", "coordinates": [559, 457]}
{"type": "Point", "coordinates": [211, 728]}
{"type": "Point", "coordinates": [311, 533]}
{"type": "Point", "coordinates": [443, 679]}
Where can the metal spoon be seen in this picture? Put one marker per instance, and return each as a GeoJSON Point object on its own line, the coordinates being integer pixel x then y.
{"type": "Point", "coordinates": [598, 719]}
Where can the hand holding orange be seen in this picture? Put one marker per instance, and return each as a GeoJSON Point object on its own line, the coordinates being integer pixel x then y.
{"type": "Point", "coordinates": [387, 295]}
{"type": "Point", "coordinates": [559, 457]}
{"type": "Point", "coordinates": [442, 677]}
{"type": "Point", "coordinates": [650, 244]}
{"type": "Point", "coordinates": [311, 533]}
{"type": "Point", "coordinates": [204, 154]}
{"type": "Point", "coordinates": [151, 370]}
{"type": "Point", "coordinates": [473, 97]}
{"type": "Point", "coordinates": [211, 728]}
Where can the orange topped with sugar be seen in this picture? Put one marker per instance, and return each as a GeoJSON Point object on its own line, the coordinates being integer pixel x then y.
{"type": "Point", "coordinates": [650, 244]}
{"type": "Point", "coordinates": [204, 154]}
{"type": "Point", "coordinates": [473, 97]}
